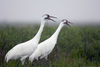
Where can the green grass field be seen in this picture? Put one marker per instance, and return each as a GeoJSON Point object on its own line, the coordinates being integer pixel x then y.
{"type": "Point", "coordinates": [76, 46]}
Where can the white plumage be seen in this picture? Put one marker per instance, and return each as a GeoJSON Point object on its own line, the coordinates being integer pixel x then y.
{"type": "Point", "coordinates": [24, 50]}
{"type": "Point", "coordinates": [46, 47]}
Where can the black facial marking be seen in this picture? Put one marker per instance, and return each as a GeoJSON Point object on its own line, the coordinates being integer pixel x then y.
{"type": "Point", "coordinates": [48, 17]}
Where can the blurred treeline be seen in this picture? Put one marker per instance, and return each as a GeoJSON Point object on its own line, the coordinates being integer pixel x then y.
{"type": "Point", "coordinates": [76, 46]}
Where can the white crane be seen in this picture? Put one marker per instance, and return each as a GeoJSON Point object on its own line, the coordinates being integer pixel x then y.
{"type": "Point", "coordinates": [45, 48]}
{"type": "Point", "coordinates": [24, 50]}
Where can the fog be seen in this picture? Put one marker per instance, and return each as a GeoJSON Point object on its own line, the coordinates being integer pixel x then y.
{"type": "Point", "coordinates": [24, 11]}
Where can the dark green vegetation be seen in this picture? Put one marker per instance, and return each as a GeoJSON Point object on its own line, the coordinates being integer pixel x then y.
{"type": "Point", "coordinates": [76, 47]}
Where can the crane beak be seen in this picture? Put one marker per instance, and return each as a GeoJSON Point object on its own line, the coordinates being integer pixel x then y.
{"type": "Point", "coordinates": [68, 24]}
{"type": "Point", "coordinates": [52, 19]}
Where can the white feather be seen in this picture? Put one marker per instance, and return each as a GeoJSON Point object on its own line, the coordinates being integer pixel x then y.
{"type": "Point", "coordinates": [46, 47]}
{"type": "Point", "coordinates": [24, 50]}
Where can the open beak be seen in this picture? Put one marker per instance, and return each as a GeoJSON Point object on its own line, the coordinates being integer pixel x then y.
{"type": "Point", "coordinates": [53, 17]}
{"type": "Point", "coordinates": [49, 18]}
{"type": "Point", "coordinates": [68, 24]}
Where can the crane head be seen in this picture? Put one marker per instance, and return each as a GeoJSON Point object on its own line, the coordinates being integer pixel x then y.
{"type": "Point", "coordinates": [66, 22]}
{"type": "Point", "coordinates": [48, 17]}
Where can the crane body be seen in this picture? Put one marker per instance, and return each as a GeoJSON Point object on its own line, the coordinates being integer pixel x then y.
{"type": "Point", "coordinates": [24, 50]}
{"type": "Point", "coordinates": [46, 47]}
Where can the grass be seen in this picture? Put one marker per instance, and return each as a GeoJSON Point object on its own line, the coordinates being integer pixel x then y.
{"type": "Point", "coordinates": [76, 46]}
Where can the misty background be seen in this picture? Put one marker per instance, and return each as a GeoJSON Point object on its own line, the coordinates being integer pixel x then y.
{"type": "Point", "coordinates": [30, 11]}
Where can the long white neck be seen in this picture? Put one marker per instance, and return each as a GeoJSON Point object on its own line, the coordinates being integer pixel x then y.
{"type": "Point", "coordinates": [38, 35]}
{"type": "Point", "coordinates": [55, 35]}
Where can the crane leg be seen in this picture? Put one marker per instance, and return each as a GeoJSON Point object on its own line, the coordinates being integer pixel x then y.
{"type": "Point", "coordinates": [23, 59]}
{"type": "Point", "coordinates": [46, 61]}
{"type": "Point", "coordinates": [18, 63]}
{"type": "Point", "coordinates": [46, 58]}
{"type": "Point", "coordinates": [45, 55]}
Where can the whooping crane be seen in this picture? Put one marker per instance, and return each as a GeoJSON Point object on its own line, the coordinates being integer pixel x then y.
{"type": "Point", "coordinates": [45, 48]}
{"type": "Point", "coordinates": [24, 50]}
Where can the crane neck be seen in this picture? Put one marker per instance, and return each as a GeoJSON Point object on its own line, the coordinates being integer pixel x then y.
{"type": "Point", "coordinates": [38, 35]}
{"type": "Point", "coordinates": [55, 35]}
